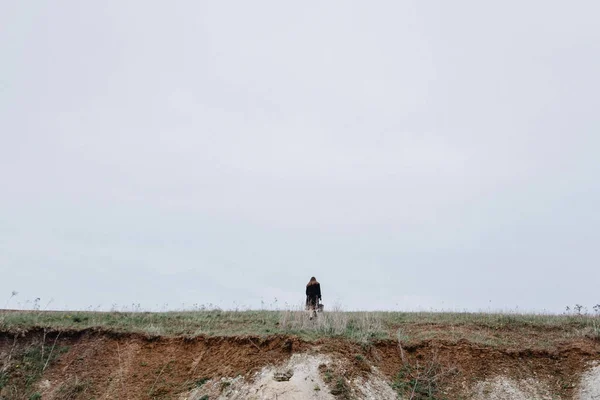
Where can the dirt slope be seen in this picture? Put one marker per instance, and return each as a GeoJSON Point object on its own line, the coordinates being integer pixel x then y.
{"type": "Point", "coordinates": [92, 364]}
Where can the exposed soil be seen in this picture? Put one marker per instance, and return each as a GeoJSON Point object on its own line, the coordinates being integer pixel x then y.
{"type": "Point", "coordinates": [103, 365]}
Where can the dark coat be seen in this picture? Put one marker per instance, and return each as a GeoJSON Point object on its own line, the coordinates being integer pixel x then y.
{"type": "Point", "coordinates": [313, 292]}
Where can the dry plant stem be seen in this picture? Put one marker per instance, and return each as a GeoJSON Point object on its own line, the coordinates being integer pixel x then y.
{"type": "Point", "coordinates": [8, 301]}
{"type": "Point", "coordinates": [196, 363]}
{"type": "Point", "coordinates": [412, 394]}
{"type": "Point", "coordinates": [254, 344]}
{"type": "Point", "coordinates": [120, 368]}
{"type": "Point", "coordinates": [43, 342]}
{"type": "Point", "coordinates": [156, 380]}
{"type": "Point", "coordinates": [5, 367]}
{"type": "Point", "coordinates": [402, 356]}
{"type": "Point", "coordinates": [51, 350]}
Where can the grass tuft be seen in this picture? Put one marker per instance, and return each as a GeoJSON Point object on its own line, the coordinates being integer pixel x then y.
{"type": "Point", "coordinates": [422, 381]}
{"type": "Point", "coordinates": [73, 389]}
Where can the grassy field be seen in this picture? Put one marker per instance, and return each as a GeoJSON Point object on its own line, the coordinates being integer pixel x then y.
{"type": "Point", "coordinates": [492, 329]}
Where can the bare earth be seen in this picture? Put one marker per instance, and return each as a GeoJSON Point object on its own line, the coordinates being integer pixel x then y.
{"type": "Point", "coordinates": [92, 364]}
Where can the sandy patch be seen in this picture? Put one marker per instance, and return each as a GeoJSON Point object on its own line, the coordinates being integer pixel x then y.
{"type": "Point", "coordinates": [503, 388]}
{"type": "Point", "coordinates": [375, 388]}
{"type": "Point", "coordinates": [304, 383]}
{"type": "Point", "coordinates": [589, 387]}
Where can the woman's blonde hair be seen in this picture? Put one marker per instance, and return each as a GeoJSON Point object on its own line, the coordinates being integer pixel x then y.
{"type": "Point", "coordinates": [313, 281]}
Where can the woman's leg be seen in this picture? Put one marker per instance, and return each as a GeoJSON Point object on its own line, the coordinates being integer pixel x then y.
{"type": "Point", "coordinates": [313, 307]}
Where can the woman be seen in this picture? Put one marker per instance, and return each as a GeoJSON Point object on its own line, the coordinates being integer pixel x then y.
{"type": "Point", "coordinates": [313, 295]}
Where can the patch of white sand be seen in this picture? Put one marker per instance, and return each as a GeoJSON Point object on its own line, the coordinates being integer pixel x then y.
{"type": "Point", "coordinates": [589, 387]}
{"type": "Point", "coordinates": [503, 388]}
{"type": "Point", "coordinates": [375, 388]}
{"type": "Point", "coordinates": [305, 383]}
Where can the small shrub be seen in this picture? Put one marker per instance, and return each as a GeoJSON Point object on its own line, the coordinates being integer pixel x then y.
{"type": "Point", "coordinates": [73, 389]}
{"type": "Point", "coordinates": [201, 382]}
{"type": "Point", "coordinates": [422, 381]}
{"type": "Point", "coordinates": [34, 362]}
{"type": "Point", "coordinates": [79, 318]}
{"type": "Point", "coordinates": [35, 396]}
{"type": "Point", "coordinates": [341, 389]}
{"type": "Point", "coordinates": [326, 372]}
{"type": "Point", "coordinates": [594, 331]}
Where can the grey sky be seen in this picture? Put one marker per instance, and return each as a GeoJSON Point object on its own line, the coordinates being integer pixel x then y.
{"type": "Point", "coordinates": [410, 155]}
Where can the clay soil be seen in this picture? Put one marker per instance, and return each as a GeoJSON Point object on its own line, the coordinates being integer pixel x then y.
{"type": "Point", "coordinates": [99, 364]}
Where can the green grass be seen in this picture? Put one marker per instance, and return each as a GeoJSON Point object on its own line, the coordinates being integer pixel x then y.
{"type": "Point", "coordinates": [25, 366]}
{"type": "Point", "coordinates": [491, 320]}
{"type": "Point", "coordinates": [34, 361]}
{"type": "Point", "coordinates": [3, 379]}
{"type": "Point", "coordinates": [220, 323]}
{"type": "Point", "coordinates": [485, 328]}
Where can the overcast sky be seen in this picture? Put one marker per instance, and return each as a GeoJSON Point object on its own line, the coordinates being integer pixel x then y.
{"type": "Point", "coordinates": [410, 155]}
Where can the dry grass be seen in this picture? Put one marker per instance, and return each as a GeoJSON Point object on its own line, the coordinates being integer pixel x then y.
{"type": "Point", "coordinates": [74, 389]}
{"type": "Point", "coordinates": [360, 326]}
{"type": "Point", "coordinates": [423, 380]}
{"type": "Point", "coordinates": [484, 328]}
